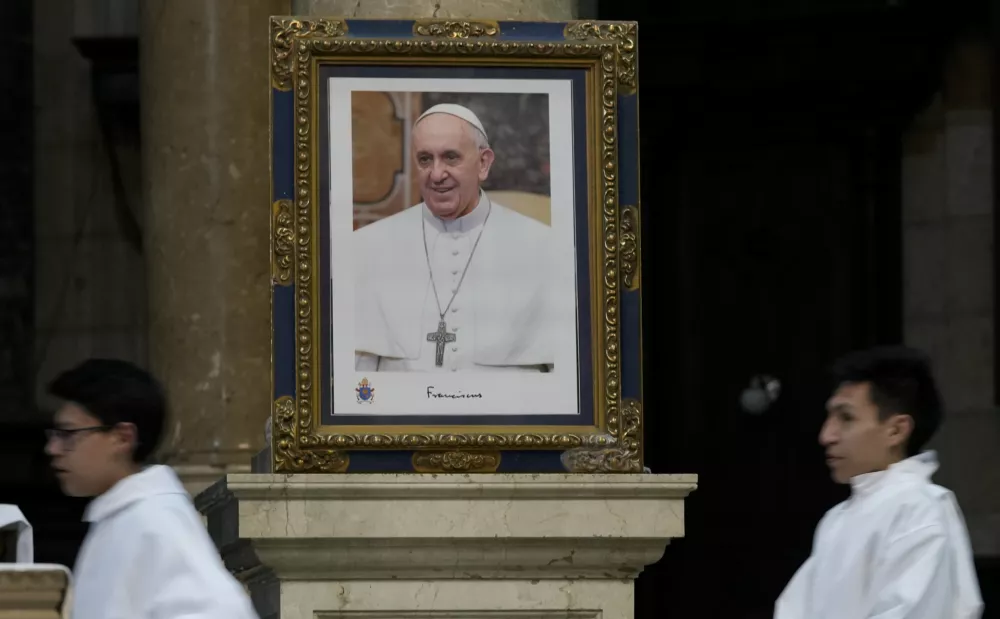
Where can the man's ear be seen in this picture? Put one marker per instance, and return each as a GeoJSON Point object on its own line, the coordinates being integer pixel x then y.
{"type": "Point", "coordinates": [900, 428]}
{"type": "Point", "coordinates": [486, 157]}
{"type": "Point", "coordinates": [128, 434]}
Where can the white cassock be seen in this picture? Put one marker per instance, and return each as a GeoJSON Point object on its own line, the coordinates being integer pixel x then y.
{"type": "Point", "coordinates": [896, 549]}
{"type": "Point", "coordinates": [501, 317]}
{"type": "Point", "coordinates": [148, 555]}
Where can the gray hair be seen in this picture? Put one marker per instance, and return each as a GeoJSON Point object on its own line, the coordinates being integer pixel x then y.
{"type": "Point", "coordinates": [481, 141]}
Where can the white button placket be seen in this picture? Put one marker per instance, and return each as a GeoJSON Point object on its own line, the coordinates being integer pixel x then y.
{"type": "Point", "coordinates": [460, 254]}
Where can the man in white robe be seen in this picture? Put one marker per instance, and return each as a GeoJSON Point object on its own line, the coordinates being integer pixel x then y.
{"type": "Point", "coordinates": [898, 547]}
{"type": "Point", "coordinates": [147, 554]}
{"type": "Point", "coordinates": [457, 282]}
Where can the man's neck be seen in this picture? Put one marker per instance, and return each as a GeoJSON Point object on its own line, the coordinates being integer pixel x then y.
{"type": "Point", "coordinates": [120, 474]}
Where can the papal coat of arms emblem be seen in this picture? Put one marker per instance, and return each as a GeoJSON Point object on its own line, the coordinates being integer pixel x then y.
{"type": "Point", "coordinates": [366, 393]}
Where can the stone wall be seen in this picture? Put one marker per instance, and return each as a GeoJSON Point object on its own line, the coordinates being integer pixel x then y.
{"type": "Point", "coordinates": [90, 280]}
{"type": "Point", "coordinates": [948, 280]}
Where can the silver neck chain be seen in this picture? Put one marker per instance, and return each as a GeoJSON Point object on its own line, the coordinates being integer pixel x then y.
{"type": "Point", "coordinates": [430, 269]}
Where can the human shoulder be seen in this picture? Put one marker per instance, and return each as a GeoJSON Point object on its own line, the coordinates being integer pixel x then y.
{"type": "Point", "coordinates": [533, 237]}
{"type": "Point", "coordinates": [158, 519]}
{"type": "Point", "coordinates": [386, 228]}
{"type": "Point", "coordinates": [156, 526]}
{"type": "Point", "coordinates": [829, 518]}
{"type": "Point", "coordinates": [918, 507]}
{"type": "Point", "coordinates": [523, 223]}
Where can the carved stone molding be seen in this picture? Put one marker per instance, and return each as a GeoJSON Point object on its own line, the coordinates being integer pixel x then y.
{"type": "Point", "coordinates": [491, 526]}
{"type": "Point", "coordinates": [37, 592]}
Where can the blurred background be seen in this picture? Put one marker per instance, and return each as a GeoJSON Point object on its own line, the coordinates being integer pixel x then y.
{"type": "Point", "coordinates": [816, 176]}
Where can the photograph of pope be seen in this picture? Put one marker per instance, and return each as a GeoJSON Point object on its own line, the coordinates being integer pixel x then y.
{"type": "Point", "coordinates": [458, 282]}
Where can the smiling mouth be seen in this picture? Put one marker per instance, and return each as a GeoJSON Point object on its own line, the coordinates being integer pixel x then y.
{"type": "Point", "coordinates": [443, 189]}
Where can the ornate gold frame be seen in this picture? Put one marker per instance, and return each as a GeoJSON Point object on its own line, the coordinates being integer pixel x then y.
{"type": "Point", "coordinates": [608, 49]}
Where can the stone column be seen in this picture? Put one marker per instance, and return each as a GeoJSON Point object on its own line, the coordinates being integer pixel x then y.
{"type": "Point", "coordinates": [204, 73]}
{"type": "Point", "coordinates": [522, 10]}
{"type": "Point", "coordinates": [948, 250]}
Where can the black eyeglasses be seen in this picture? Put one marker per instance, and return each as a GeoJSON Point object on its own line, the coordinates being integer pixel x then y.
{"type": "Point", "coordinates": [66, 435]}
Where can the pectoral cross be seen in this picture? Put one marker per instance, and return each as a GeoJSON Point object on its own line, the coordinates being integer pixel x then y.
{"type": "Point", "coordinates": [441, 337]}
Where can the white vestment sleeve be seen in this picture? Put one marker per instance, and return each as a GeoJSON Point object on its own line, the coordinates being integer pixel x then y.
{"type": "Point", "coordinates": [793, 603]}
{"type": "Point", "coordinates": [365, 362]}
{"type": "Point", "coordinates": [168, 584]}
{"type": "Point", "coordinates": [914, 579]}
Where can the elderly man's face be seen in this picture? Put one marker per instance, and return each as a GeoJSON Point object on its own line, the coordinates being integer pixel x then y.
{"type": "Point", "coordinates": [450, 164]}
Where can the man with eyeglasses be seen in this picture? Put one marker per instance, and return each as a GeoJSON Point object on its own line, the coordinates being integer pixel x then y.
{"type": "Point", "coordinates": [147, 553]}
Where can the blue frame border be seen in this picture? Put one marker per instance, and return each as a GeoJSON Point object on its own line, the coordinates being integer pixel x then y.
{"type": "Point", "coordinates": [582, 196]}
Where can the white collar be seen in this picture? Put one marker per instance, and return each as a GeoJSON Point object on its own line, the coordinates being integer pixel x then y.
{"type": "Point", "coordinates": [153, 480]}
{"type": "Point", "coordinates": [470, 221]}
{"type": "Point", "coordinates": [922, 465]}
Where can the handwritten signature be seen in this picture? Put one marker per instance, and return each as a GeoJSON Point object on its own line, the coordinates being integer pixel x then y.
{"type": "Point", "coordinates": [431, 394]}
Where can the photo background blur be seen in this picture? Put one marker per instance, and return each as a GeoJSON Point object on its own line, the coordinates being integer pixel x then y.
{"type": "Point", "coordinates": [385, 181]}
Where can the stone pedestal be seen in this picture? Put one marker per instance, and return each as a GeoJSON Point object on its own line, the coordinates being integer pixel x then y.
{"type": "Point", "coordinates": [33, 591]}
{"type": "Point", "coordinates": [459, 546]}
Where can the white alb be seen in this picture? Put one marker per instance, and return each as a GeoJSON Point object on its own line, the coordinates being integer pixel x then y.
{"type": "Point", "coordinates": [896, 549]}
{"type": "Point", "coordinates": [148, 556]}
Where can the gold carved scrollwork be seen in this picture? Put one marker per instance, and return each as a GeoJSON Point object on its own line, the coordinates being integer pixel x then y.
{"type": "Point", "coordinates": [607, 125]}
{"type": "Point", "coordinates": [455, 29]}
{"type": "Point", "coordinates": [298, 46]}
{"type": "Point", "coordinates": [621, 41]}
{"type": "Point", "coordinates": [283, 242]}
{"type": "Point", "coordinates": [289, 457]}
{"type": "Point", "coordinates": [462, 39]}
{"type": "Point", "coordinates": [456, 462]}
{"type": "Point", "coordinates": [284, 33]}
{"type": "Point", "coordinates": [629, 239]}
{"type": "Point", "coordinates": [625, 458]}
{"type": "Point", "coordinates": [465, 441]}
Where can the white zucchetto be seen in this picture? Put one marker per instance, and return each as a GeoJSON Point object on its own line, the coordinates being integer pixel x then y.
{"type": "Point", "coordinates": [458, 111]}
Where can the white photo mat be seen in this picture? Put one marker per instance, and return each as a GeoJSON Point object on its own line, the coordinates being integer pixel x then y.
{"type": "Point", "coordinates": [406, 393]}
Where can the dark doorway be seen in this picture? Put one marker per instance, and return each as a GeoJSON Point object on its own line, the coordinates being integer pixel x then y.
{"type": "Point", "coordinates": [771, 221]}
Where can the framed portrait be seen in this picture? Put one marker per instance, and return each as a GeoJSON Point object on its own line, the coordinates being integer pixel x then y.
{"type": "Point", "coordinates": [455, 246]}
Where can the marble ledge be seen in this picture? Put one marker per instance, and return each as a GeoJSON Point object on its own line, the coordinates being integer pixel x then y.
{"type": "Point", "coordinates": [259, 487]}
{"type": "Point", "coordinates": [460, 599]}
{"type": "Point", "coordinates": [349, 527]}
{"type": "Point", "coordinates": [528, 560]}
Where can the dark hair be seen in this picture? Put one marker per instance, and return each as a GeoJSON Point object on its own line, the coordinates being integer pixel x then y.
{"type": "Point", "coordinates": [901, 383]}
{"type": "Point", "coordinates": [116, 392]}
